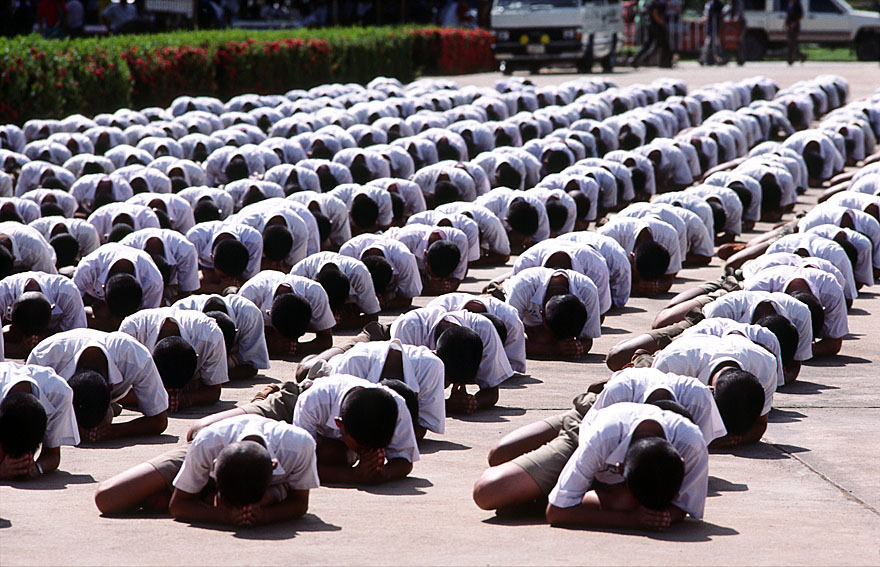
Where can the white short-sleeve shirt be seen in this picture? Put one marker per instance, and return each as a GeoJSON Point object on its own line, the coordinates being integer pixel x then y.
{"type": "Point", "coordinates": [84, 233]}
{"type": "Point", "coordinates": [362, 292]}
{"type": "Point", "coordinates": [318, 407]}
{"type": "Point", "coordinates": [423, 372]}
{"type": "Point", "coordinates": [30, 251]}
{"type": "Point", "coordinates": [199, 330]}
{"type": "Point", "coordinates": [93, 271]}
{"type": "Point", "coordinates": [493, 235]}
{"type": "Point", "coordinates": [417, 239]}
{"type": "Point", "coordinates": [349, 191]}
{"type": "Point", "coordinates": [405, 277]}
{"type": "Point", "coordinates": [204, 235]}
{"type": "Point", "coordinates": [626, 231]}
{"type": "Point", "coordinates": [699, 356]}
{"type": "Point", "coordinates": [261, 290]}
{"type": "Point", "coordinates": [130, 365]}
{"type": "Point", "coordinates": [250, 340]}
{"type": "Point", "coordinates": [102, 219]}
{"type": "Point", "coordinates": [602, 449]}
{"type": "Point", "coordinates": [637, 384]}
{"type": "Point", "coordinates": [54, 394]}
{"type": "Point", "coordinates": [499, 199]}
{"type": "Point", "coordinates": [180, 254]}
{"type": "Point", "coordinates": [67, 305]}
{"type": "Point", "coordinates": [290, 446]}
{"type": "Point", "coordinates": [616, 260]}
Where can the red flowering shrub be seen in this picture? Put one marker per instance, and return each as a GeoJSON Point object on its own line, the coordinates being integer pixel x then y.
{"type": "Point", "coordinates": [452, 51]}
{"type": "Point", "coordinates": [159, 74]}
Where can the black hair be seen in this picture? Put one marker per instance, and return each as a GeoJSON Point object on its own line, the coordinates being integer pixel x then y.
{"type": "Point", "coordinates": [502, 138]}
{"type": "Point", "coordinates": [851, 252]}
{"type": "Point", "coordinates": [442, 256]}
{"type": "Point", "coordinates": [740, 399]}
{"type": "Point", "coordinates": [326, 178]}
{"type": "Point", "coordinates": [528, 131]}
{"type": "Point", "coordinates": [119, 231]}
{"type": "Point", "coordinates": [565, 316]}
{"type": "Point", "coordinates": [226, 324]}
{"type": "Point", "coordinates": [164, 219]}
{"type": "Point", "coordinates": [522, 217]}
{"type": "Point", "coordinates": [324, 226]}
{"type": "Point", "coordinates": [139, 185]}
{"type": "Point", "coordinates": [380, 271]}
{"type": "Point", "coordinates": [176, 361]}
{"type": "Point", "coordinates": [92, 167]}
{"type": "Point", "coordinates": [178, 183]}
{"type": "Point", "coordinates": [499, 325]}
{"type": "Point", "coordinates": [556, 160]}
{"type": "Point", "coordinates": [243, 471]}
{"type": "Point", "coordinates": [9, 214]}
{"type": "Point", "coordinates": [771, 193]}
{"type": "Point", "coordinates": [123, 294]}
{"type": "Point", "coordinates": [817, 313]}
{"type": "Point", "coordinates": [639, 179]}
{"type": "Point", "coordinates": [31, 312]}
{"type": "Point", "coordinates": [277, 242]}
{"type": "Point", "coordinates": [360, 172]}
{"type": "Point", "coordinates": [674, 407]}
{"type": "Point", "coordinates": [786, 334]}
{"type": "Point", "coordinates": [91, 398]}
{"type": "Point", "coordinates": [290, 314]}
{"type": "Point", "coordinates": [53, 182]}
{"type": "Point", "coordinates": [214, 303]}
{"type": "Point", "coordinates": [206, 210]}
{"type": "Point", "coordinates": [252, 195]}
{"type": "Point", "coordinates": [66, 249]}
{"type": "Point", "coordinates": [581, 201]}
{"type": "Point", "coordinates": [461, 350]}
{"type": "Point", "coordinates": [336, 284]}
{"type": "Point", "coordinates": [163, 266]}
{"type": "Point", "coordinates": [364, 211]}
{"type": "Point", "coordinates": [653, 471]}
{"type": "Point", "coordinates": [50, 209]}
{"type": "Point", "coordinates": [320, 151]}
{"type": "Point", "coordinates": [7, 262]}
{"type": "Point", "coordinates": [22, 424]}
{"type": "Point", "coordinates": [745, 196]}
{"type": "Point", "coordinates": [231, 257]}
{"type": "Point", "coordinates": [719, 216]}
{"type": "Point", "coordinates": [651, 260]}
{"type": "Point", "coordinates": [507, 176]}
{"type": "Point", "coordinates": [237, 168]}
{"type": "Point", "coordinates": [446, 151]}
{"type": "Point", "coordinates": [445, 192]}
{"type": "Point", "coordinates": [408, 395]}
{"type": "Point", "coordinates": [813, 159]}
{"type": "Point", "coordinates": [369, 415]}
{"type": "Point", "coordinates": [557, 214]}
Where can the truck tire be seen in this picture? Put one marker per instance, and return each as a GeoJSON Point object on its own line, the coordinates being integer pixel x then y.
{"type": "Point", "coordinates": [756, 45]}
{"type": "Point", "coordinates": [868, 46]}
{"type": "Point", "coordinates": [609, 60]}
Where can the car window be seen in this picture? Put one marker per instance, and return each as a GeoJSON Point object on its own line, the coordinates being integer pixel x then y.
{"type": "Point", "coordinates": [824, 7]}
{"type": "Point", "coordinates": [754, 5]}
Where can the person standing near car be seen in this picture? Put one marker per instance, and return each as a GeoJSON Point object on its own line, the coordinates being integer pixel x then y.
{"type": "Point", "coordinates": [793, 16]}
{"type": "Point", "coordinates": [736, 12]}
{"type": "Point", "coordinates": [710, 54]}
{"type": "Point", "coordinates": [658, 36]}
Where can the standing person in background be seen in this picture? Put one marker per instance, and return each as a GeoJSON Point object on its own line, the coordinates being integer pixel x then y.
{"type": "Point", "coordinates": [711, 51]}
{"type": "Point", "coordinates": [50, 17]}
{"type": "Point", "coordinates": [793, 16]}
{"type": "Point", "coordinates": [75, 18]}
{"type": "Point", "coordinates": [736, 12]}
{"type": "Point", "coordinates": [658, 36]}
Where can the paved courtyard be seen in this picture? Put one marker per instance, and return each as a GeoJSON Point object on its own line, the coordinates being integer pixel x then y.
{"type": "Point", "coordinates": [808, 494]}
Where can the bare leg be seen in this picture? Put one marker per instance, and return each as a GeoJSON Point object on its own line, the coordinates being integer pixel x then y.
{"type": "Point", "coordinates": [520, 441]}
{"type": "Point", "coordinates": [505, 486]}
{"type": "Point", "coordinates": [749, 253]}
{"type": "Point", "coordinates": [129, 490]}
{"type": "Point", "coordinates": [672, 315]}
{"type": "Point", "coordinates": [622, 353]}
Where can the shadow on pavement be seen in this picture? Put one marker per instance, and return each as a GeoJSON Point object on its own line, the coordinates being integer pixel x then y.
{"type": "Point", "coordinates": [519, 381]}
{"type": "Point", "coordinates": [763, 451]}
{"type": "Point", "coordinates": [4, 523]}
{"type": "Point", "coordinates": [692, 531]}
{"type": "Point", "coordinates": [431, 446]}
{"type": "Point", "coordinates": [274, 532]}
{"type": "Point", "coordinates": [409, 486]}
{"type": "Point", "coordinates": [164, 439]}
{"type": "Point", "coordinates": [199, 412]}
{"type": "Point", "coordinates": [836, 360]}
{"type": "Point", "coordinates": [497, 414]}
{"type": "Point", "coordinates": [625, 310]}
{"type": "Point", "coordinates": [56, 480]}
{"type": "Point", "coordinates": [613, 331]}
{"type": "Point", "coordinates": [784, 416]}
{"type": "Point", "coordinates": [717, 486]}
{"type": "Point", "coordinates": [801, 387]}
{"type": "Point", "coordinates": [248, 382]}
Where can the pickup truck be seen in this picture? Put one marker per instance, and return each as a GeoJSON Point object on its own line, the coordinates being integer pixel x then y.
{"type": "Point", "coordinates": [530, 34]}
{"type": "Point", "coordinates": [826, 22]}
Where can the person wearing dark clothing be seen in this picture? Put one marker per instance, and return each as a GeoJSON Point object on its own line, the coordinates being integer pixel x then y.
{"type": "Point", "coordinates": [793, 16]}
{"type": "Point", "coordinates": [658, 36]}
{"type": "Point", "coordinates": [711, 51]}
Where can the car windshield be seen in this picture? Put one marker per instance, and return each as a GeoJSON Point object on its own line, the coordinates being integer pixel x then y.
{"type": "Point", "coordinates": [536, 3]}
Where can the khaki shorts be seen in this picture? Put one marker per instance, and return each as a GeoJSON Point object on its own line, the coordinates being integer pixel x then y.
{"type": "Point", "coordinates": [277, 405]}
{"type": "Point", "coordinates": [545, 463]}
{"type": "Point", "coordinates": [722, 286]}
{"type": "Point", "coordinates": [169, 464]}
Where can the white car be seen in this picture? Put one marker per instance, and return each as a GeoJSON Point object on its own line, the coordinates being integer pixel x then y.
{"type": "Point", "coordinates": [532, 33]}
{"type": "Point", "coordinates": [826, 22]}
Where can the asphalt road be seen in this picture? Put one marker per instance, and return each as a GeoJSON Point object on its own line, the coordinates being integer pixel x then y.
{"type": "Point", "coordinates": [808, 494]}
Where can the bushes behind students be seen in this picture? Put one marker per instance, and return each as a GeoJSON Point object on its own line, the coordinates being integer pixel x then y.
{"type": "Point", "coordinates": [53, 78]}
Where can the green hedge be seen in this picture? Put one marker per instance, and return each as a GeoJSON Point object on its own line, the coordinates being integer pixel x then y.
{"type": "Point", "coordinates": [50, 78]}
